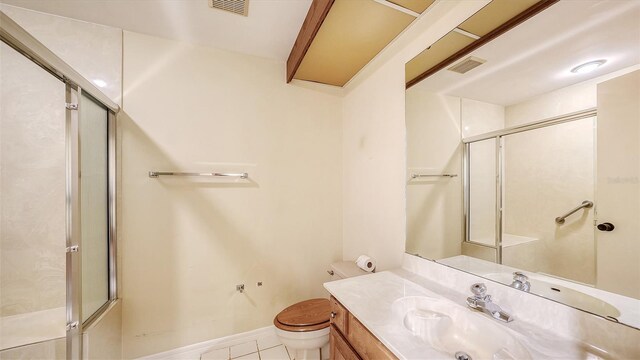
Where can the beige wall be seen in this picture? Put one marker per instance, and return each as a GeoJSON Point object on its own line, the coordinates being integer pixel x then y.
{"type": "Point", "coordinates": [186, 243]}
{"type": "Point", "coordinates": [434, 205]}
{"type": "Point", "coordinates": [374, 140]}
{"type": "Point", "coordinates": [479, 117]}
{"type": "Point", "coordinates": [435, 126]}
{"type": "Point", "coordinates": [562, 101]}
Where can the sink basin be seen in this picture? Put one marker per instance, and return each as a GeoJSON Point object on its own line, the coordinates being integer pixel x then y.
{"type": "Point", "coordinates": [562, 294]}
{"type": "Point", "coordinates": [453, 329]}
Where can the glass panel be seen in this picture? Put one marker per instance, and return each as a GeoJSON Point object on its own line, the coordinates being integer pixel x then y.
{"type": "Point", "coordinates": [32, 209]}
{"type": "Point", "coordinates": [482, 192]}
{"type": "Point", "coordinates": [545, 182]}
{"type": "Point", "coordinates": [94, 205]}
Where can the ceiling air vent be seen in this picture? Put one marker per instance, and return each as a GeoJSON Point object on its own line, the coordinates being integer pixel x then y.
{"type": "Point", "coordinates": [467, 64]}
{"type": "Point", "coordinates": [240, 7]}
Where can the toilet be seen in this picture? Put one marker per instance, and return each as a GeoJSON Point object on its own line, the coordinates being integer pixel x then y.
{"type": "Point", "coordinates": [304, 326]}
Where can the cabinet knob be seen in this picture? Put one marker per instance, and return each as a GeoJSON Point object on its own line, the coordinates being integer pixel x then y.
{"type": "Point", "coordinates": [333, 315]}
{"type": "Point", "coordinates": [606, 227]}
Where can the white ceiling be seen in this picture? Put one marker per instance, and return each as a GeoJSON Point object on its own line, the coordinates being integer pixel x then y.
{"type": "Point", "coordinates": [269, 31]}
{"type": "Point", "coordinates": [536, 57]}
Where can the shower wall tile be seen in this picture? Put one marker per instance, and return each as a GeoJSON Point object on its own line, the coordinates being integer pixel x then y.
{"type": "Point", "coordinates": [32, 187]}
{"type": "Point", "coordinates": [562, 173]}
{"type": "Point", "coordinates": [543, 182]}
{"type": "Point", "coordinates": [95, 51]}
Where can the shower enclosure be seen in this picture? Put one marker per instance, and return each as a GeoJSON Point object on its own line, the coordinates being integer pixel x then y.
{"type": "Point", "coordinates": [57, 200]}
{"type": "Point", "coordinates": [518, 181]}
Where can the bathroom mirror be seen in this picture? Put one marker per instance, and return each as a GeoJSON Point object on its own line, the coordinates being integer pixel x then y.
{"type": "Point", "coordinates": [524, 156]}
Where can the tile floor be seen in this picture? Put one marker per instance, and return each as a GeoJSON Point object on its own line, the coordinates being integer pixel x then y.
{"type": "Point", "coordinates": [267, 347]}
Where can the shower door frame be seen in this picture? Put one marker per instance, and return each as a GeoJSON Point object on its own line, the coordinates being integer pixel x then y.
{"type": "Point", "coordinates": [499, 137]}
{"type": "Point", "coordinates": [75, 84]}
{"type": "Point", "coordinates": [75, 325]}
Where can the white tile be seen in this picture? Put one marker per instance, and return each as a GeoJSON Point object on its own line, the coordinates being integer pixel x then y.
{"type": "Point", "coordinates": [291, 352]}
{"type": "Point", "coordinates": [217, 354]}
{"type": "Point", "coordinates": [268, 341]}
{"type": "Point", "coordinates": [253, 356]}
{"type": "Point", "coordinates": [274, 353]}
{"type": "Point", "coordinates": [243, 349]}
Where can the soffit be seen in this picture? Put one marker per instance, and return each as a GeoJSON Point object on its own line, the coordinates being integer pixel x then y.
{"type": "Point", "coordinates": [339, 37]}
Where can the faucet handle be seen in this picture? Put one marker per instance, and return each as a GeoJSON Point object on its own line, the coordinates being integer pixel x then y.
{"type": "Point", "coordinates": [479, 289]}
{"type": "Point", "coordinates": [520, 276]}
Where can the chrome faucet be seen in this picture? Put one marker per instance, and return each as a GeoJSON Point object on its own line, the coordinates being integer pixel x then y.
{"type": "Point", "coordinates": [482, 302]}
{"type": "Point", "coordinates": [521, 281]}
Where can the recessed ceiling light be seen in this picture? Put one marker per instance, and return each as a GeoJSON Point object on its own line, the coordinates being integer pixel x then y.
{"type": "Point", "coordinates": [588, 67]}
{"type": "Point", "coordinates": [100, 83]}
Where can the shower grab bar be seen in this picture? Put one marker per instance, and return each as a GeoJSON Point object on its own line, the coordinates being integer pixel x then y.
{"type": "Point", "coordinates": [155, 174]}
{"type": "Point", "coordinates": [415, 176]}
{"type": "Point", "coordinates": [585, 205]}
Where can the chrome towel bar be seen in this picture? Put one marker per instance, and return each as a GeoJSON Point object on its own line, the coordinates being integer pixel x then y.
{"type": "Point", "coordinates": [585, 204]}
{"type": "Point", "coordinates": [155, 174]}
{"type": "Point", "coordinates": [415, 176]}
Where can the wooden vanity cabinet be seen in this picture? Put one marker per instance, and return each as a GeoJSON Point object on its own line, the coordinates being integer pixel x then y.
{"type": "Point", "coordinates": [339, 348]}
{"type": "Point", "coordinates": [349, 339]}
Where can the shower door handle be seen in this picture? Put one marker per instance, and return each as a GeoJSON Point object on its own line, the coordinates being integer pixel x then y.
{"type": "Point", "coordinates": [606, 227]}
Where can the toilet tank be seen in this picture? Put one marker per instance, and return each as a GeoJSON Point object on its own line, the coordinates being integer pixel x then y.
{"type": "Point", "coordinates": [345, 269]}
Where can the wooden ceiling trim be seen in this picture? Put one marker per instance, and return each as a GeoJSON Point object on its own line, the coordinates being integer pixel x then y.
{"type": "Point", "coordinates": [315, 17]}
{"type": "Point", "coordinates": [493, 14]}
{"type": "Point", "coordinates": [510, 24]}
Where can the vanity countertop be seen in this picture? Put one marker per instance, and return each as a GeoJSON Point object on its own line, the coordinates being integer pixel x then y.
{"type": "Point", "coordinates": [370, 299]}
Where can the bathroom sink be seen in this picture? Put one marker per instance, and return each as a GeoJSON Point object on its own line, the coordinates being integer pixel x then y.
{"type": "Point", "coordinates": [562, 294]}
{"type": "Point", "coordinates": [456, 330]}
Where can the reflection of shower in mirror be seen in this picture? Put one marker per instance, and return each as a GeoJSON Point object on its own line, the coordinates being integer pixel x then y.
{"type": "Point", "coordinates": [522, 130]}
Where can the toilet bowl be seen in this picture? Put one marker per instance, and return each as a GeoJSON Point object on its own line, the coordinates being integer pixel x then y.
{"type": "Point", "coordinates": [304, 327]}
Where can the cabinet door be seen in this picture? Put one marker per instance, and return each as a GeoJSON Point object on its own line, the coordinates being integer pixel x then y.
{"type": "Point", "coordinates": [367, 345]}
{"type": "Point", "coordinates": [339, 316]}
{"type": "Point", "coordinates": [339, 348]}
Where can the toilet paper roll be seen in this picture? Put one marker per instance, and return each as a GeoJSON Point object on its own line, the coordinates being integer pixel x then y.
{"type": "Point", "coordinates": [366, 263]}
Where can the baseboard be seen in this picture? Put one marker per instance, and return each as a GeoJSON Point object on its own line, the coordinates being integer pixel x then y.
{"type": "Point", "coordinates": [201, 347]}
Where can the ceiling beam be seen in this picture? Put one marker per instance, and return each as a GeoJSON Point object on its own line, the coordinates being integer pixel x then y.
{"type": "Point", "coordinates": [316, 15]}
{"type": "Point", "coordinates": [510, 24]}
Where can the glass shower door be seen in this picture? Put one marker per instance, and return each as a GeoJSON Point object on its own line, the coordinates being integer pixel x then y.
{"type": "Point", "coordinates": [481, 172]}
{"type": "Point", "coordinates": [94, 204]}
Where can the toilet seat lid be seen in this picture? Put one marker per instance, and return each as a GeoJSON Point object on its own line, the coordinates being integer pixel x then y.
{"type": "Point", "coordinates": [306, 313]}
